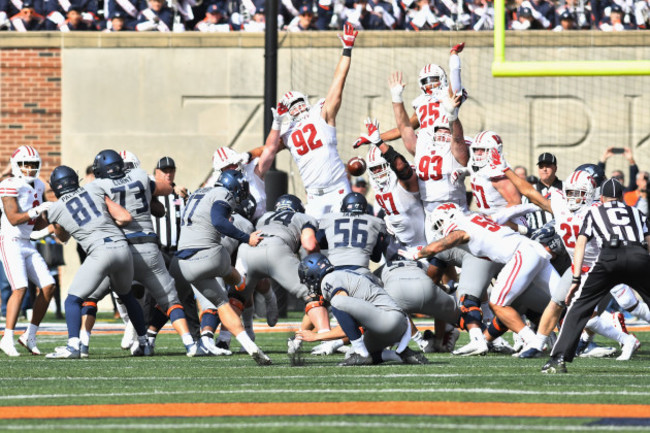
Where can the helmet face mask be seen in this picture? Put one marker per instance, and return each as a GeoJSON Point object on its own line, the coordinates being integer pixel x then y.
{"type": "Point", "coordinates": [432, 79]}
{"type": "Point", "coordinates": [130, 160]}
{"type": "Point", "coordinates": [482, 146]}
{"type": "Point", "coordinates": [441, 216]}
{"type": "Point", "coordinates": [579, 190]}
{"type": "Point", "coordinates": [297, 104]}
{"type": "Point", "coordinates": [312, 270]}
{"type": "Point", "coordinates": [247, 207]}
{"type": "Point", "coordinates": [378, 168]}
{"type": "Point", "coordinates": [26, 163]}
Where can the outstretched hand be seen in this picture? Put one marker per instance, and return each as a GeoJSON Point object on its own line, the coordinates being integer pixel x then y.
{"type": "Point", "coordinates": [458, 48]}
{"type": "Point", "coordinates": [373, 136]}
{"type": "Point", "coordinates": [396, 86]}
{"type": "Point", "coordinates": [349, 35]}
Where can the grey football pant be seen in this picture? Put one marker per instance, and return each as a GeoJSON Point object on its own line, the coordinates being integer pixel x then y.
{"type": "Point", "coordinates": [476, 274]}
{"type": "Point", "coordinates": [382, 327]}
{"type": "Point", "coordinates": [202, 269]}
{"type": "Point", "coordinates": [111, 261]}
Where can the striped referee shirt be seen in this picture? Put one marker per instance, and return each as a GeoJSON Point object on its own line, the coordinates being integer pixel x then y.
{"type": "Point", "coordinates": [615, 218]}
{"type": "Point", "coordinates": [540, 217]}
{"type": "Point", "coordinates": [168, 227]}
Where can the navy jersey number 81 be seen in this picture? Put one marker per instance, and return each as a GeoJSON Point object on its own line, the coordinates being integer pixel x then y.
{"type": "Point", "coordinates": [79, 212]}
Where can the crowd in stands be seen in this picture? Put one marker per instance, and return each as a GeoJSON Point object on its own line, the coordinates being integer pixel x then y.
{"type": "Point", "coordinates": [302, 15]}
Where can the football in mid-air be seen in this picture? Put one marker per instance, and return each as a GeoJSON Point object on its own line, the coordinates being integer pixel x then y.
{"type": "Point", "coordinates": [356, 166]}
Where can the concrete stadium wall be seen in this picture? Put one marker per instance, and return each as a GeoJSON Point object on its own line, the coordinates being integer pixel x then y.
{"type": "Point", "coordinates": [183, 95]}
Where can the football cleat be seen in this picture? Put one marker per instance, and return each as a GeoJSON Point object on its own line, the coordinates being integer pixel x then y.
{"type": "Point", "coordinates": [272, 313]}
{"type": "Point", "coordinates": [517, 343]}
{"type": "Point", "coordinates": [355, 359]}
{"type": "Point", "coordinates": [500, 345]}
{"type": "Point", "coordinates": [410, 356]}
{"type": "Point", "coordinates": [222, 344]}
{"type": "Point", "coordinates": [206, 347]}
{"type": "Point", "coordinates": [29, 344]}
{"type": "Point", "coordinates": [129, 337]}
{"type": "Point", "coordinates": [327, 347]}
{"type": "Point", "coordinates": [530, 352]}
{"type": "Point", "coordinates": [191, 350]}
{"type": "Point", "coordinates": [449, 340]}
{"type": "Point", "coordinates": [630, 345]}
{"type": "Point", "coordinates": [555, 365]}
{"type": "Point", "coordinates": [83, 351]}
{"type": "Point", "coordinates": [293, 345]}
{"type": "Point", "coordinates": [473, 348]}
{"type": "Point", "coordinates": [8, 347]}
{"type": "Point", "coordinates": [261, 358]}
{"type": "Point", "coordinates": [595, 351]}
{"type": "Point", "coordinates": [67, 352]}
{"type": "Point", "coordinates": [141, 349]}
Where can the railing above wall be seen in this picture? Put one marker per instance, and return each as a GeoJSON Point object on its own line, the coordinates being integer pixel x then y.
{"type": "Point", "coordinates": [374, 39]}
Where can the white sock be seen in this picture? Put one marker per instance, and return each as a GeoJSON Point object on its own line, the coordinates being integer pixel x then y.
{"type": "Point", "coordinates": [540, 341]}
{"type": "Point", "coordinates": [84, 336]}
{"type": "Point", "coordinates": [390, 355]}
{"type": "Point", "coordinates": [320, 331]}
{"type": "Point", "coordinates": [187, 339]}
{"type": "Point", "coordinates": [31, 330]}
{"type": "Point", "coordinates": [600, 327]}
{"type": "Point", "coordinates": [417, 337]}
{"type": "Point", "coordinates": [476, 334]}
{"type": "Point", "coordinates": [246, 342]}
{"type": "Point", "coordinates": [9, 333]}
{"type": "Point", "coordinates": [528, 336]}
{"type": "Point", "coordinates": [124, 314]}
{"type": "Point", "coordinates": [224, 335]}
{"type": "Point", "coordinates": [73, 342]}
{"type": "Point", "coordinates": [359, 346]}
{"type": "Point", "coordinates": [641, 311]}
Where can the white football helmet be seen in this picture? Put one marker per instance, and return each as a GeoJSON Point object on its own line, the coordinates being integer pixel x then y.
{"type": "Point", "coordinates": [22, 155]}
{"type": "Point", "coordinates": [579, 190]}
{"type": "Point", "coordinates": [297, 103]}
{"type": "Point", "coordinates": [130, 160]}
{"type": "Point", "coordinates": [432, 79]}
{"type": "Point", "coordinates": [482, 146]}
{"type": "Point", "coordinates": [442, 216]}
{"type": "Point", "coordinates": [224, 158]}
{"type": "Point", "coordinates": [380, 171]}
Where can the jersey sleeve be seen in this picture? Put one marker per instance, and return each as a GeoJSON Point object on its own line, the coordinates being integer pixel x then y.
{"type": "Point", "coordinates": [8, 188]}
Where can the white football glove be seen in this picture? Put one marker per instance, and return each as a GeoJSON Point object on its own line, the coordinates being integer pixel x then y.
{"type": "Point", "coordinates": [497, 162]}
{"type": "Point", "coordinates": [38, 210]}
{"type": "Point", "coordinates": [412, 253]}
{"type": "Point", "coordinates": [373, 136]}
{"type": "Point", "coordinates": [396, 87]}
{"type": "Point", "coordinates": [459, 174]}
{"type": "Point", "coordinates": [279, 115]}
{"type": "Point", "coordinates": [39, 234]}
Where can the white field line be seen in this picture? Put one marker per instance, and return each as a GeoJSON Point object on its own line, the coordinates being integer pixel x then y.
{"type": "Point", "coordinates": [296, 422]}
{"type": "Point", "coordinates": [258, 391]}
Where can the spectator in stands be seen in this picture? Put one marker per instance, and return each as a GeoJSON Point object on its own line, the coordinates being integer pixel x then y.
{"type": "Point", "coordinates": [617, 174]}
{"type": "Point", "coordinates": [57, 13]}
{"type": "Point", "coordinates": [639, 197]}
{"type": "Point", "coordinates": [450, 16]}
{"type": "Point", "coordinates": [116, 23]}
{"type": "Point", "coordinates": [615, 23]}
{"type": "Point", "coordinates": [27, 19]}
{"type": "Point", "coordinates": [129, 10]}
{"type": "Point", "coordinates": [567, 22]}
{"type": "Point", "coordinates": [642, 14]}
{"type": "Point", "coordinates": [157, 17]}
{"type": "Point", "coordinates": [73, 22]}
{"type": "Point", "coordinates": [421, 17]}
{"type": "Point", "coordinates": [521, 171]}
{"type": "Point", "coordinates": [483, 15]}
{"type": "Point", "coordinates": [304, 21]}
{"type": "Point", "coordinates": [363, 16]}
{"type": "Point", "coordinates": [581, 11]}
{"type": "Point", "coordinates": [256, 23]}
{"type": "Point", "coordinates": [215, 21]}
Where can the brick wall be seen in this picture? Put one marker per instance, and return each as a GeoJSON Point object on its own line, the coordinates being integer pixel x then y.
{"type": "Point", "coordinates": [30, 104]}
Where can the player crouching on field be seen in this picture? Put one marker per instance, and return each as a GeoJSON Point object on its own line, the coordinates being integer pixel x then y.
{"type": "Point", "coordinates": [357, 302]}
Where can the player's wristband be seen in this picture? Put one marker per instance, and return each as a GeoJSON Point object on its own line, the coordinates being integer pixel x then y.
{"type": "Point", "coordinates": [575, 280]}
{"type": "Point", "coordinates": [347, 52]}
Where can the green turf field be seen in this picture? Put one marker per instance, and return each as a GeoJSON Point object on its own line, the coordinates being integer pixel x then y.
{"type": "Point", "coordinates": [112, 377]}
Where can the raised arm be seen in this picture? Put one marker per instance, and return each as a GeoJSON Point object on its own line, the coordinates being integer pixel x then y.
{"type": "Point", "coordinates": [272, 146]}
{"type": "Point", "coordinates": [335, 92]}
{"type": "Point", "coordinates": [405, 128]}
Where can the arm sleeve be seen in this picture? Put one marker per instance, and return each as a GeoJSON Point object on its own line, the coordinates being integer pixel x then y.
{"type": "Point", "coordinates": [220, 214]}
{"type": "Point", "coordinates": [634, 171]}
{"type": "Point", "coordinates": [322, 240]}
{"type": "Point", "coordinates": [379, 248]}
{"type": "Point", "coordinates": [152, 186]}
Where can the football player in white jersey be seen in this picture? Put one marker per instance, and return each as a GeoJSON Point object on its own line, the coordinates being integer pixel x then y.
{"type": "Point", "coordinates": [526, 263]}
{"type": "Point", "coordinates": [22, 204]}
{"type": "Point", "coordinates": [311, 138]}
{"type": "Point", "coordinates": [225, 158]}
{"type": "Point", "coordinates": [569, 208]}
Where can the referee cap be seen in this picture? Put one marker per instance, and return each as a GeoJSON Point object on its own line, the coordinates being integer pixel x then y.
{"type": "Point", "coordinates": [547, 158]}
{"type": "Point", "coordinates": [165, 162]}
{"type": "Point", "coordinates": [612, 188]}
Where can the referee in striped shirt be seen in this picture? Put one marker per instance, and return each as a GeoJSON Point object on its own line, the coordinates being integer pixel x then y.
{"type": "Point", "coordinates": [622, 234]}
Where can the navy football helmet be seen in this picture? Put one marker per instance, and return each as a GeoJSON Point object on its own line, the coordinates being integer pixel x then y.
{"type": "Point", "coordinates": [289, 202]}
{"type": "Point", "coordinates": [108, 164]}
{"type": "Point", "coordinates": [63, 180]}
{"type": "Point", "coordinates": [312, 270]}
{"type": "Point", "coordinates": [597, 173]}
{"type": "Point", "coordinates": [247, 207]}
{"type": "Point", "coordinates": [235, 182]}
{"type": "Point", "coordinates": [354, 203]}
